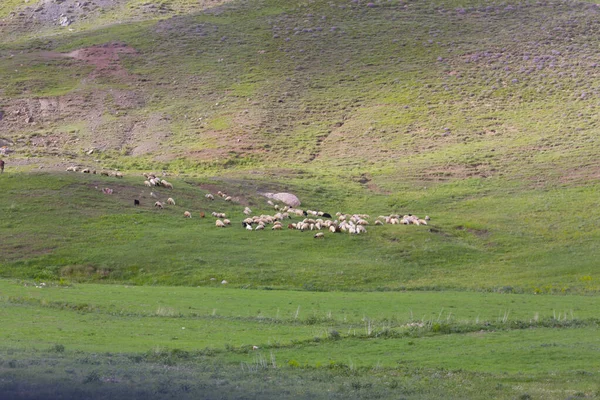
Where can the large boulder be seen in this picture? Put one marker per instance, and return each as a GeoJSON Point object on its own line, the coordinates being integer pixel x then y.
{"type": "Point", "coordinates": [286, 198]}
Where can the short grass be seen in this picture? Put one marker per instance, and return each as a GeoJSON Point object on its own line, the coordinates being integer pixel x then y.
{"type": "Point", "coordinates": [481, 115]}
{"type": "Point", "coordinates": [481, 237]}
{"type": "Point", "coordinates": [113, 335]}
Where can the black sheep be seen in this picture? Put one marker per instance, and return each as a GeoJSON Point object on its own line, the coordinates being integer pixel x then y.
{"type": "Point", "coordinates": [136, 202]}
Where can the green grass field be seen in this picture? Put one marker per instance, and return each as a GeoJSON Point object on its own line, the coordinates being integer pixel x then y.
{"type": "Point", "coordinates": [479, 114]}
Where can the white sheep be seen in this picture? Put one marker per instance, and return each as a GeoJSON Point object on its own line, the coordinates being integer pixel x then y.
{"type": "Point", "coordinates": [227, 222]}
{"type": "Point", "coordinates": [219, 224]}
{"type": "Point", "coordinates": [319, 235]}
{"type": "Point", "coordinates": [187, 214]}
{"type": "Point", "coordinates": [158, 204]}
{"type": "Point", "coordinates": [147, 183]}
{"type": "Point", "coordinates": [209, 196]}
{"type": "Point", "coordinates": [228, 198]}
{"type": "Point", "coordinates": [166, 184]}
{"type": "Point", "coordinates": [171, 201]}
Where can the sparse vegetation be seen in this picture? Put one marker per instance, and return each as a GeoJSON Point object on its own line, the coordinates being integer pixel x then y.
{"type": "Point", "coordinates": [482, 115]}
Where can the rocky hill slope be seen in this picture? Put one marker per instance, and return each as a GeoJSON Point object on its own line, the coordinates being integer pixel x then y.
{"type": "Point", "coordinates": [396, 91]}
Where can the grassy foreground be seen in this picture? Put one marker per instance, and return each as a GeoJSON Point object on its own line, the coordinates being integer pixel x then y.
{"type": "Point", "coordinates": [113, 339]}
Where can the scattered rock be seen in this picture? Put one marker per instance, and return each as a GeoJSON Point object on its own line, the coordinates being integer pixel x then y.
{"type": "Point", "coordinates": [64, 21]}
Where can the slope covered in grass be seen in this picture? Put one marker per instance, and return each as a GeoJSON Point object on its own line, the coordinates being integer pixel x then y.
{"type": "Point", "coordinates": [402, 91]}
{"type": "Point", "coordinates": [482, 115]}
{"type": "Point", "coordinates": [471, 242]}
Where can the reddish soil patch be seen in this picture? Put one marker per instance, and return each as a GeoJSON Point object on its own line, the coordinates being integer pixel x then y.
{"type": "Point", "coordinates": [105, 58]}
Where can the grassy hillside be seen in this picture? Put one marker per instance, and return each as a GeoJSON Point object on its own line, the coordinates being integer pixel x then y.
{"type": "Point", "coordinates": [481, 237]}
{"type": "Point", "coordinates": [482, 115]}
{"type": "Point", "coordinates": [403, 92]}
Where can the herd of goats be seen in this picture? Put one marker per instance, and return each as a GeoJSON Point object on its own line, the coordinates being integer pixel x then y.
{"type": "Point", "coordinates": [318, 221]}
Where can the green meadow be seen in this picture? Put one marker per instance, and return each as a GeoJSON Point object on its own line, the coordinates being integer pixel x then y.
{"type": "Point", "coordinates": [481, 115]}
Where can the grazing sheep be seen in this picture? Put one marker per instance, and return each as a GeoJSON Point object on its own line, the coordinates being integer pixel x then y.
{"type": "Point", "coordinates": [107, 191]}
{"type": "Point", "coordinates": [136, 202]}
{"type": "Point", "coordinates": [158, 204]}
{"type": "Point", "coordinates": [326, 215]}
{"type": "Point", "coordinates": [72, 168]}
{"type": "Point", "coordinates": [259, 227]}
{"type": "Point", "coordinates": [319, 235]}
{"type": "Point", "coordinates": [360, 229]}
{"type": "Point", "coordinates": [105, 173]}
{"type": "Point", "coordinates": [85, 171]}
{"type": "Point", "coordinates": [227, 222]}
{"type": "Point", "coordinates": [332, 229]}
{"type": "Point", "coordinates": [291, 226]}
{"type": "Point", "coordinates": [202, 215]}
{"type": "Point", "coordinates": [378, 222]}
{"type": "Point", "coordinates": [209, 196]}
{"type": "Point", "coordinates": [166, 184]}
{"type": "Point", "coordinates": [118, 174]}
{"type": "Point", "coordinates": [219, 224]}
{"type": "Point", "coordinates": [147, 183]}
{"type": "Point", "coordinates": [187, 214]}
{"type": "Point", "coordinates": [228, 198]}
{"type": "Point", "coordinates": [171, 201]}
{"type": "Point", "coordinates": [277, 227]}
{"type": "Point", "coordinates": [248, 227]}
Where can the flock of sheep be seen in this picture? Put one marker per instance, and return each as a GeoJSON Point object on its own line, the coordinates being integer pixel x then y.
{"type": "Point", "coordinates": [75, 168]}
{"type": "Point", "coordinates": [317, 221]}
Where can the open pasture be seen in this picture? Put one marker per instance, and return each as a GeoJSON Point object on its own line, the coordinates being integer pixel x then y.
{"type": "Point", "coordinates": [478, 242]}
{"type": "Point", "coordinates": [482, 115]}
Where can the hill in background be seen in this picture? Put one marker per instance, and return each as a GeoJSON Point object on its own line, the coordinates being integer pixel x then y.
{"type": "Point", "coordinates": [483, 115]}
